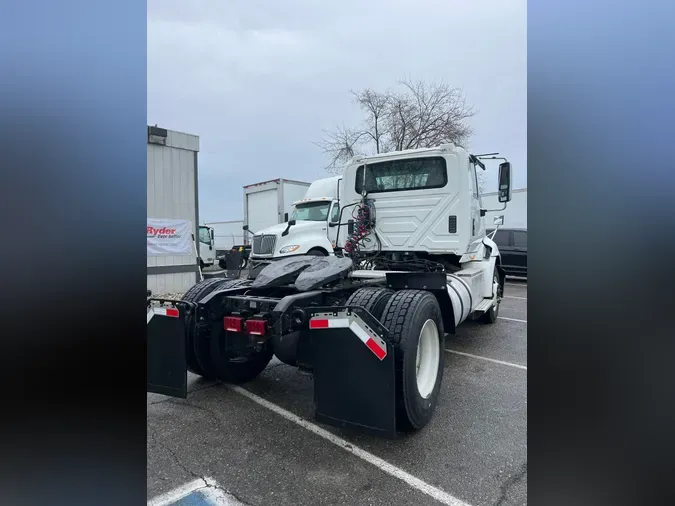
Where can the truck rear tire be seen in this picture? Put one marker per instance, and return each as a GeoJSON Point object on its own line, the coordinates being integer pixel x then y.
{"type": "Point", "coordinates": [195, 343]}
{"type": "Point", "coordinates": [415, 325]}
{"type": "Point", "coordinates": [212, 358]}
{"type": "Point", "coordinates": [238, 369]}
{"type": "Point", "coordinates": [372, 299]}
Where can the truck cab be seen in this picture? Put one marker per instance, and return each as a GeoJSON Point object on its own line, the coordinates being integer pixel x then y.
{"type": "Point", "coordinates": [207, 250]}
{"type": "Point", "coordinates": [308, 230]}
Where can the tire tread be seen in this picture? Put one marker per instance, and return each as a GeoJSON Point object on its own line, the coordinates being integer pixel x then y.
{"type": "Point", "coordinates": [398, 318]}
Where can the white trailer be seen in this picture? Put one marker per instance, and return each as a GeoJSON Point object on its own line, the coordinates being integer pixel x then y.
{"type": "Point", "coordinates": [515, 215]}
{"type": "Point", "coordinates": [270, 202]}
{"type": "Point", "coordinates": [227, 234]}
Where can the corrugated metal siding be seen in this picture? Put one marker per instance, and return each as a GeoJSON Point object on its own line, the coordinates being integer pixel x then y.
{"type": "Point", "coordinates": [172, 194]}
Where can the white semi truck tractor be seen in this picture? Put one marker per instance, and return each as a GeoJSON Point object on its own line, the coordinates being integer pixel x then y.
{"type": "Point", "coordinates": [411, 263]}
{"type": "Point", "coordinates": [310, 230]}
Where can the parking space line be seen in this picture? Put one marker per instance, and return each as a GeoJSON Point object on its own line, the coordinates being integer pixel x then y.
{"type": "Point", "coordinates": [202, 491]}
{"type": "Point", "coordinates": [512, 319]}
{"type": "Point", "coordinates": [510, 364]}
{"type": "Point", "coordinates": [178, 493]}
{"type": "Point", "coordinates": [434, 492]}
{"type": "Point", "coordinates": [512, 297]}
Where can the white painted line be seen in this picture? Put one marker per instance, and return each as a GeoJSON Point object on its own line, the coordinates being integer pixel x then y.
{"type": "Point", "coordinates": [512, 319]}
{"type": "Point", "coordinates": [207, 487]}
{"type": "Point", "coordinates": [416, 483]}
{"type": "Point", "coordinates": [510, 364]}
{"type": "Point", "coordinates": [512, 297]}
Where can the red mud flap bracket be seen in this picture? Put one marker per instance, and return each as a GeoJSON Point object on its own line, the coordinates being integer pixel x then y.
{"type": "Point", "coordinates": [167, 347]}
{"type": "Point", "coordinates": [354, 374]}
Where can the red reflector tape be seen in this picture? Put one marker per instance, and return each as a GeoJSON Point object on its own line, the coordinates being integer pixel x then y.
{"type": "Point", "coordinates": [318, 324]}
{"type": "Point", "coordinates": [326, 323]}
{"type": "Point", "coordinates": [372, 346]}
{"type": "Point", "coordinates": [378, 348]}
{"type": "Point", "coordinates": [167, 311]}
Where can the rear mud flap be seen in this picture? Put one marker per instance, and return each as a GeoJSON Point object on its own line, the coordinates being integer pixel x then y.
{"type": "Point", "coordinates": [167, 349]}
{"type": "Point", "coordinates": [354, 373]}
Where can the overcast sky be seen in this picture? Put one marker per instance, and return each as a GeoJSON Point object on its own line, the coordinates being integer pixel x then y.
{"type": "Point", "coordinates": [259, 80]}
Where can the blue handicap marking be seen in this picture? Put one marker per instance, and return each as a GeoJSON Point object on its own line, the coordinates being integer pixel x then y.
{"type": "Point", "coordinates": [202, 492]}
{"type": "Point", "coordinates": [196, 498]}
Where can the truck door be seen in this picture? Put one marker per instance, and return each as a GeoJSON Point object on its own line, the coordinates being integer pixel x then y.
{"type": "Point", "coordinates": [206, 251]}
{"type": "Point", "coordinates": [477, 224]}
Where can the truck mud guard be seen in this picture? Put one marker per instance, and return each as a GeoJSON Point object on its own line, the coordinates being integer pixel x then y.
{"type": "Point", "coordinates": [354, 371]}
{"type": "Point", "coordinates": [167, 347]}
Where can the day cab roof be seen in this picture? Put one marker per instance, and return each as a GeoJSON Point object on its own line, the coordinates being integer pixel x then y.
{"type": "Point", "coordinates": [407, 153]}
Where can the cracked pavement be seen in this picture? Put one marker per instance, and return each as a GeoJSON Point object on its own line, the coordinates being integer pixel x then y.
{"type": "Point", "coordinates": [475, 448]}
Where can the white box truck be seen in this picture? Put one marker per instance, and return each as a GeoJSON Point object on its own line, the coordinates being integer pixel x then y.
{"type": "Point", "coordinates": [268, 203]}
{"type": "Point", "coordinates": [227, 234]}
{"type": "Point", "coordinates": [516, 214]}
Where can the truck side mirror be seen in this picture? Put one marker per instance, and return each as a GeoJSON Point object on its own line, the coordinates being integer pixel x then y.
{"type": "Point", "coordinates": [212, 235]}
{"type": "Point", "coordinates": [498, 220]}
{"type": "Point", "coordinates": [504, 187]}
{"type": "Point", "coordinates": [288, 227]}
{"type": "Point", "coordinates": [245, 228]}
{"type": "Point", "coordinates": [285, 216]}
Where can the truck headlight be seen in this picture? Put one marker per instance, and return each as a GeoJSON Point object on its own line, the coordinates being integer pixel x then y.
{"type": "Point", "coordinates": [289, 249]}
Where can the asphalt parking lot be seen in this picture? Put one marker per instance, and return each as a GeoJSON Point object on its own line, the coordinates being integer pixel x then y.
{"type": "Point", "coordinates": [260, 445]}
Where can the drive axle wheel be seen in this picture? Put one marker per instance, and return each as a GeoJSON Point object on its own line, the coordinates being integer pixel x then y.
{"type": "Point", "coordinates": [195, 294]}
{"type": "Point", "coordinates": [371, 299]}
{"type": "Point", "coordinates": [237, 369]}
{"type": "Point", "coordinates": [196, 340]}
{"type": "Point", "coordinates": [415, 325]}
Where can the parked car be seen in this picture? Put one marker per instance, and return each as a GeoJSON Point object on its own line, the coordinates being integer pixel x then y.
{"type": "Point", "coordinates": [512, 243]}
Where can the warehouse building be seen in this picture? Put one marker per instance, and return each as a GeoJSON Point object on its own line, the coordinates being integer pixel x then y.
{"type": "Point", "coordinates": [172, 195]}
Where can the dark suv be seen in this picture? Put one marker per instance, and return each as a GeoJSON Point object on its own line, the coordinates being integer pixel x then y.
{"type": "Point", "coordinates": [512, 243]}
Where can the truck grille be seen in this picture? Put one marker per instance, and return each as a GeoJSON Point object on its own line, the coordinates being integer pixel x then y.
{"type": "Point", "coordinates": [263, 244]}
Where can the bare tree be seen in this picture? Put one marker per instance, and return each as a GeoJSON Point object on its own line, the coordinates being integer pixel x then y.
{"type": "Point", "coordinates": [417, 115]}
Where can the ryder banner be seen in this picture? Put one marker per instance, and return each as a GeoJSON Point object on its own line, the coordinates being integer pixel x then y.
{"type": "Point", "coordinates": [169, 237]}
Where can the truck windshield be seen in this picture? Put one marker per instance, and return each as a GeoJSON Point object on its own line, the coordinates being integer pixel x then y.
{"type": "Point", "coordinates": [204, 235]}
{"type": "Point", "coordinates": [311, 211]}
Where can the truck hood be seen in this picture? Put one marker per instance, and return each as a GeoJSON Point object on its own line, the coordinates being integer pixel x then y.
{"type": "Point", "coordinates": [300, 225]}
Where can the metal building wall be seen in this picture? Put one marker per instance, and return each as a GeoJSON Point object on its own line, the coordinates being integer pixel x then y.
{"type": "Point", "coordinates": [172, 194]}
